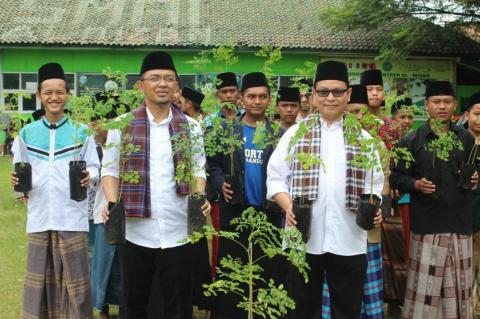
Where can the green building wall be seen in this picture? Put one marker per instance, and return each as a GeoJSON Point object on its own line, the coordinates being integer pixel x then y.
{"type": "Point", "coordinates": [129, 60]}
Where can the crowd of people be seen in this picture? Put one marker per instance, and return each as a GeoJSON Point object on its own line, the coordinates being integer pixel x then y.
{"type": "Point", "coordinates": [416, 260]}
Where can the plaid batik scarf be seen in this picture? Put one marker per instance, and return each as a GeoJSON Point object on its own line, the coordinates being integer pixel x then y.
{"type": "Point", "coordinates": [136, 196]}
{"type": "Point", "coordinates": [304, 182]}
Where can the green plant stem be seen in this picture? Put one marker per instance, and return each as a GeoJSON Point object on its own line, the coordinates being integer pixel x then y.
{"type": "Point", "coordinates": [259, 258]}
{"type": "Point", "coordinates": [121, 182]}
{"type": "Point", "coordinates": [371, 186]}
{"type": "Point", "coordinates": [232, 170]}
{"type": "Point", "coordinates": [250, 281]}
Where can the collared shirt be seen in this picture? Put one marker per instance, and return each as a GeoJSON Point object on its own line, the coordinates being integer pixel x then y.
{"type": "Point", "coordinates": [333, 229]}
{"type": "Point", "coordinates": [49, 152]}
{"type": "Point", "coordinates": [168, 223]}
{"type": "Point", "coordinates": [450, 213]}
{"type": "Point", "coordinates": [209, 120]}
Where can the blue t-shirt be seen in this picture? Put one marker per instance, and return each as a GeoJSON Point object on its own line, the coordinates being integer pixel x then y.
{"type": "Point", "coordinates": [253, 183]}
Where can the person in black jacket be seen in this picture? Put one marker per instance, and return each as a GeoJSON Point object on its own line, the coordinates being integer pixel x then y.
{"type": "Point", "coordinates": [440, 272]}
{"type": "Point", "coordinates": [250, 164]}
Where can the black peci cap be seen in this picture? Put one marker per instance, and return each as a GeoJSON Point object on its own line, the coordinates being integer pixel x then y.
{"type": "Point", "coordinates": [288, 94]}
{"type": "Point", "coordinates": [359, 94]}
{"type": "Point", "coordinates": [439, 88]}
{"type": "Point", "coordinates": [50, 71]}
{"type": "Point", "coordinates": [331, 70]}
{"type": "Point", "coordinates": [401, 103]}
{"type": "Point", "coordinates": [474, 99]}
{"type": "Point", "coordinates": [254, 79]}
{"type": "Point", "coordinates": [158, 60]}
{"type": "Point", "coordinates": [193, 95]}
{"type": "Point", "coordinates": [371, 77]}
{"type": "Point", "coordinates": [226, 79]}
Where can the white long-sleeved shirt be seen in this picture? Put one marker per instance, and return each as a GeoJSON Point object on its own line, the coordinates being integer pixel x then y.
{"type": "Point", "coordinates": [168, 223]}
{"type": "Point", "coordinates": [333, 229]}
{"type": "Point", "coordinates": [49, 152]}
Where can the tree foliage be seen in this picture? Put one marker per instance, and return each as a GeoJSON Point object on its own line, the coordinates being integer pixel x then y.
{"type": "Point", "coordinates": [406, 24]}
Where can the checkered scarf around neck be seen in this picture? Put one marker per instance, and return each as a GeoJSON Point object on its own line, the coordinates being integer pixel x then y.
{"type": "Point", "coordinates": [304, 182]}
{"type": "Point", "coordinates": [136, 197]}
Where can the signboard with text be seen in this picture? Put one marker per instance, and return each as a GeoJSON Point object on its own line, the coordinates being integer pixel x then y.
{"type": "Point", "coordinates": [408, 77]}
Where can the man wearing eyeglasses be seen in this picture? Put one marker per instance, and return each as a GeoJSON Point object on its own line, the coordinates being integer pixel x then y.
{"type": "Point", "coordinates": [337, 246]}
{"type": "Point", "coordinates": [156, 266]}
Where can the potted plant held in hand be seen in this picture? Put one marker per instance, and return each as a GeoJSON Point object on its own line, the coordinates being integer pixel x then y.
{"type": "Point", "coordinates": [221, 138]}
{"type": "Point", "coordinates": [80, 113]}
{"type": "Point", "coordinates": [365, 157]}
{"type": "Point", "coordinates": [23, 169]}
{"type": "Point", "coordinates": [372, 124]}
{"type": "Point", "coordinates": [468, 169]}
{"type": "Point", "coordinates": [115, 227]}
{"type": "Point", "coordinates": [302, 205]}
{"type": "Point", "coordinates": [188, 146]}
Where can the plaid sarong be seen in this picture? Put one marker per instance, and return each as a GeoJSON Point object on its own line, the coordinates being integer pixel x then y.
{"type": "Point", "coordinates": [476, 272]}
{"type": "Point", "coordinates": [304, 182]}
{"type": "Point", "coordinates": [57, 283]}
{"type": "Point", "coordinates": [136, 196]}
{"type": "Point", "coordinates": [372, 306]}
{"type": "Point", "coordinates": [439, 284]}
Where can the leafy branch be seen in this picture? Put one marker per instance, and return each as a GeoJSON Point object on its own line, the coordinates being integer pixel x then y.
{"type": "Point", "coordinates": [259, 296]}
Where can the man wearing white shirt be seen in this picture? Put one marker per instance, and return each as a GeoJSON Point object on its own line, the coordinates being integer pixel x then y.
{"type": "Point", "coordinates": [56, 282]}
{"type": "Point", "coordinates": [156, 265]}
{"type": "Point", "coordinates": [337, 246]}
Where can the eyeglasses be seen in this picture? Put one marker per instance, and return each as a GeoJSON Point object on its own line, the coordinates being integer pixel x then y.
{"type": "Point", "coordinates": [335, 92]}
{"type": "Point", "coordinates": [157, 79]}
{"type": "Point", "coordinates": [50, 93]}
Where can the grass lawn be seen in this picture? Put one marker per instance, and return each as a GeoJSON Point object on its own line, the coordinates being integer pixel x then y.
{"type": "Point", "coordinates": [13, 245]}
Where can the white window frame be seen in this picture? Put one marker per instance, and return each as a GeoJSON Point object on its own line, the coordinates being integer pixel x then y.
{"type": "Point", "coordinates": [19, 89]}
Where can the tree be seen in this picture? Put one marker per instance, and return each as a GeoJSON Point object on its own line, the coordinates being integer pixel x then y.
{"type": "Point", "coordinates": [406, 24]}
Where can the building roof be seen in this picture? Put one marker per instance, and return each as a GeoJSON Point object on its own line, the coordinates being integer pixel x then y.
{"type": "Point", "coordinates": [187, 23]}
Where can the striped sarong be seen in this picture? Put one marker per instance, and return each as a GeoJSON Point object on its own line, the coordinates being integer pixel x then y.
{"type": "Point", "coordinates": [439, 284]}
{"type": "Point", "coordinates": [57, 283]}
{"type": "Point", "coordinates": [372, 306]}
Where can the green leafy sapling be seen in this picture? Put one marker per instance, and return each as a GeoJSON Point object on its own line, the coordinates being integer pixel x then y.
{"type": "Point", "coordinates": [264, 137]}
{"type": "Point", "coordinates": [80, 114]}
{"type": "Point", "coordinates": [272, 55]}
{"type": "Point", "coordinates": [305, 157]}
{"type": "Point", "coordinates": [368, 147]}
{"type": "Point", "coordinates": [225, 55]}
{"type": "Point", "coordinates": [221, 138]}
{"type": "Point", "coordinates": [260, 297]}
{"type": "Point", "coordinates": [190, 145]}
{"type": "Point", "coordinates": [445, 144]}
{"type": "Point", "coordinates": [126, 149]}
